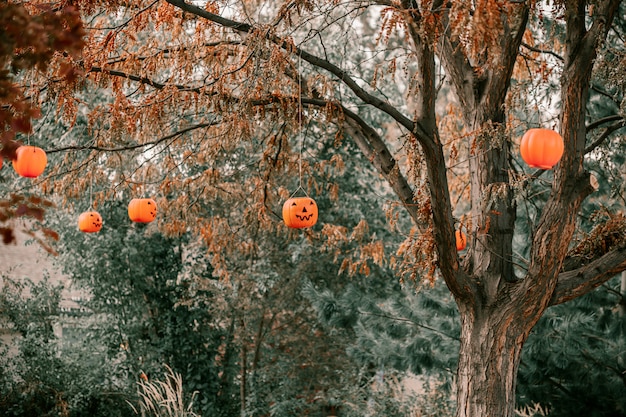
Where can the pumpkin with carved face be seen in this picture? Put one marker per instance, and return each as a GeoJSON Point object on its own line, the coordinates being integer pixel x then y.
{"type": "Point", "coordinates": [90, 222]}
{"type": "Point", "coordinates": [300, 212]}
{"type": "Point", "coordinates": [142, 210]}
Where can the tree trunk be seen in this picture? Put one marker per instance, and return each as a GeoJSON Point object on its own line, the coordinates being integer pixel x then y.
{"type": "Point", "coordinates": [490, 352]}
{"type": "Point", "coordinates": [244, 372]}
{"type": "Point", "coordinates": [622, 291]}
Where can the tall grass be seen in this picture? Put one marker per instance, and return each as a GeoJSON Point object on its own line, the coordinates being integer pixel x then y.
{"type": "Point", "coordinates": [164, 398]}
{"type": "Point", "coordinates": [534, 410]}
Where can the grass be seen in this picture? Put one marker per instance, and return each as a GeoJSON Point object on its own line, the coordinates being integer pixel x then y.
{"type": "Point", "coordinates": [164, 398]}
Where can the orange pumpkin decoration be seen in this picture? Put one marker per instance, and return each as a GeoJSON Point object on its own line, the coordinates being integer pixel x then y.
{"type": "Point", "coordinates": [142, 210]}
{"type": "Point", "coordinates": [30, 161]}
{"type": "Point", "coordinates": [1, 162]}
{"type": "Point", "coordinates": [461, 240]}
{"type": "Point", "coordinates": [541, 148]}
{"type": "Point", "coordinates": [300, 212]}
{"type": "Point", "coordinates": [90, 222]}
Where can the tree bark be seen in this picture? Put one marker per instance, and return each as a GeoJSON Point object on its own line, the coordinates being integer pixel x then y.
{"type": "Point", "coordinates": [243, 393]}
{"type": "Point", "coordinates": [489, 357]}
{"type": "Point", "coordinates": [622, 291]}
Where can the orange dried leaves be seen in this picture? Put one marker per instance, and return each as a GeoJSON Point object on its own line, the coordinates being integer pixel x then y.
{"type": "Point", "coordinates": [33, 36]}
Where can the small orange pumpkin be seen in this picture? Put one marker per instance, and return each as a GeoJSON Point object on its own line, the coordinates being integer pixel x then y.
{"type": "Point", "coordinates": [461, 240]}
{"type": "Point", "coordinates": [90, 222]}
{"type": "Point", "coordinates": [30, 161]}
{"type": "Point", "coordinates": [300, 212]}
{"type": "Point", "coordinates": [541, 148]}
{"type": "Point", "coordinates": [142, 210]}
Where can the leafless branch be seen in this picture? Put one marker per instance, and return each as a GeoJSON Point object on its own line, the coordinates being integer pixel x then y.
{"type": "Point", "coordinates": [574, 283]}
{"type": "Point", "coordinates": [542, 51]}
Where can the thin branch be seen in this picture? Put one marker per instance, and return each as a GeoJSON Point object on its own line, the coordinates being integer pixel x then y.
{"type": "Point", "coordinates": [160, 86]}
{"type": "Point", "coordinates": [124, 24]}
{"type": "Point", "coordinates": [144, 80]}
{"type": "Point", "coordinates": [413, 322]}
{"type": "Point", "coordinates": [342, 75]}
{"type": "Point", "coordinates": [135, 146]}
{"type": "Point", "coordinates": [118, 59]}
{"type": "Point", "coordinates": [542, 51]}
{"type": "Point", "coordinates": [600, 122]}
{"type": "Point", "coordinates": [605, 135]}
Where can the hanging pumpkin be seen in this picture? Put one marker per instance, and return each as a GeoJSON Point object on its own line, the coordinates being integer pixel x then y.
{"type": "Point", "coordinates": [30, 161]}
{"type": "Point", "coordinates": [541, 148]}
{"type": "Point", "coordinates": [142, 210]}
{"type": "Point", "coordinates": [90, 222]}
{"type": "Point", "coordinates": [300, 212]}
{"type": "Point", "coordinates": [461, 240]}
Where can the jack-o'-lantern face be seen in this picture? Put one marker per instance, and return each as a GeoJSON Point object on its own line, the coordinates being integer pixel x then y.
{"type": "Point", "coordinates": [142, 210]}
{"type": "Point", "coordinates": [90, 222]}
{"type": "Point", "coordinates": [300, 212]}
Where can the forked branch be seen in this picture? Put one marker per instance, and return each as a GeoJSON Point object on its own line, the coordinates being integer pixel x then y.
{"type": "Point", "coordinates": [318, 62]}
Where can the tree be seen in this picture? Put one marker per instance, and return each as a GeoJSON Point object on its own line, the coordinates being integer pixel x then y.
{"type": "Point", "coordinates": [144, 314]}
{"type": "Point", "coordinates": [44, 376]}
{"type": "Point", "coordinates": [35, 37]}
{"type": "Point", "coordinates": [226, 83]}
{"type": "Point", "coordinates": [38, 38]}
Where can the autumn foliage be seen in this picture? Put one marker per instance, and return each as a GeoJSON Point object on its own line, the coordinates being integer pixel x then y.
{"type": "Point", "coordinates": [39, 37]}
{"type": "Point", "coordinates": [222, 109]}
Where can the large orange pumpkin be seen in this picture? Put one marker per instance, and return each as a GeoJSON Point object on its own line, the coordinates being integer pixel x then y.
{"type": "Point", "coordinates": [541, 148]}
{"type": "Point", "coordinates": [300, 212]}
{"type": "Point", "coordinates": [142, 210]}
{"type": "Point", "coordinates": [90, 222]}
{"type": "Point", "coordinates": [30, 161]}
{"type": "Point", "coordinates": [461, 240]}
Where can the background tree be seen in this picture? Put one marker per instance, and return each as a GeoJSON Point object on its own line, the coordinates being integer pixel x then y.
{"type": "Point", "coordinates": [225, 80]}
{"type": "Point", "coordinates": [39, 38]}
{"type": "Point", "coordinates": [144, 316]}
{"type": "Point", "coordinates": [44, 376]}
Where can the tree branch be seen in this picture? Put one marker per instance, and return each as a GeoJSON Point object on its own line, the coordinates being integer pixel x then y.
{"type": "Point", "coordinates": [131, 147]}
{"type": "Point", "coordinates": [542, 51]}
{"type": "Point", "coordinates": [441, 206]}
{"type": "Point", "coordinates": [343, 76]}
{"type": "Point", "coordinates": [456, 63]}
{"type": "Point", "coordinates": [574, 283]}
{"type": "Point", "coordinates": [571, 185]}
{"type": "Point", "coordinates": [144, 80]}
{"type": "Point", "coordinates": [600, 122]}
{"type": "Point", "coordinates": [375, 150]}
{"type": "Point", "coordinates": [426, 93]}
{"type": "Point", "coordinates": [604, 135]}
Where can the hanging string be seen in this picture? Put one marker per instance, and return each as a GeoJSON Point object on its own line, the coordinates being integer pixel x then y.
{"type": "Point", "coordinates": [302, 136]}
{"type": "Point", "coordinates": [90, 192]}
{"type": "Point", "coordinates": [300, 120]}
